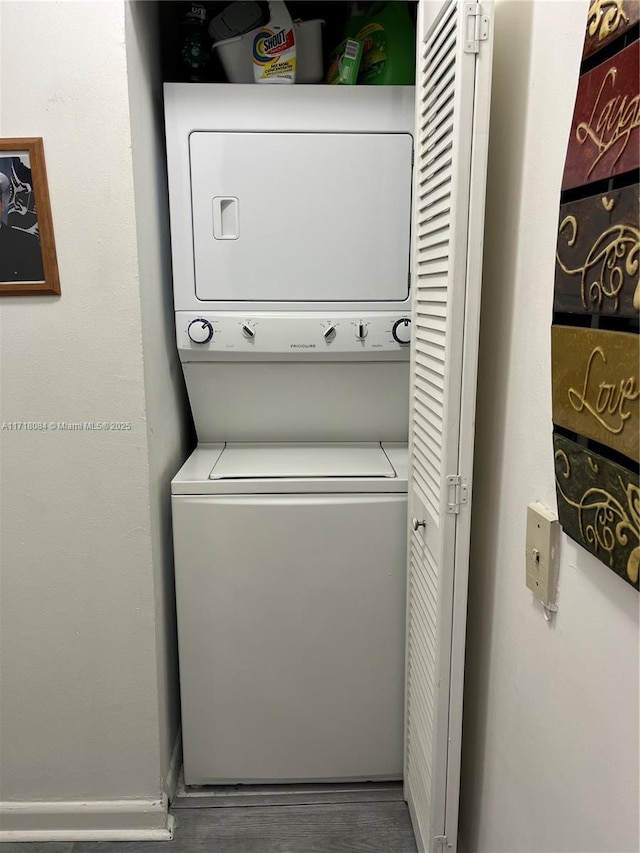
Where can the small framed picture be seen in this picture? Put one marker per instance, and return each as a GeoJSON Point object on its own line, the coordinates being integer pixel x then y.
{"type": "Point", "coordinates": [28, 261]}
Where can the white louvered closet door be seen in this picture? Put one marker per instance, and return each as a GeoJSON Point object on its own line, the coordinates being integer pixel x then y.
{"type": "Point", "coordinates": [452, 113]}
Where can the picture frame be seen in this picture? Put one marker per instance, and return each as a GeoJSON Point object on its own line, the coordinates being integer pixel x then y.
{"type": "Point", "coordinates": [28, 261]}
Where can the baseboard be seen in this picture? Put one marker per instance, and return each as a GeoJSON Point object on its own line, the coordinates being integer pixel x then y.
{"type": "Point", "coordinates": [111, 820]}
{"type": "Point", "coordinates": [172, 778]}
{"type": "Point", "coordinates": [245, 796]}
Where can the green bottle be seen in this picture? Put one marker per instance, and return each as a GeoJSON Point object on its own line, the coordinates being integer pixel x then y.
{"type": "Point", "coordinates": [336, 70]}
{"type": "Point", "coordinates": [357, 12]}
{"type": "Point", "coordinates": [388, 36]}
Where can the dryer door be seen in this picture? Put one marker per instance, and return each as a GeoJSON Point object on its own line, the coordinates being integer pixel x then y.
{"type": "Point", "coordinates": [301, 217]}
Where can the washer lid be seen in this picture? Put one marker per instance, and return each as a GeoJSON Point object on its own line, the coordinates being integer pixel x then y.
{"type": "Point", "coordinates": [276, 461]}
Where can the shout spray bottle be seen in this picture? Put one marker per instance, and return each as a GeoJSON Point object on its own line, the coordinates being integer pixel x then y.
{"type": "Point", "coordinates": [274, 48]}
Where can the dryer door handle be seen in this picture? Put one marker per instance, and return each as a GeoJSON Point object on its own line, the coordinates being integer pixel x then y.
{"type": "Point", "coordinates": [226, 218]}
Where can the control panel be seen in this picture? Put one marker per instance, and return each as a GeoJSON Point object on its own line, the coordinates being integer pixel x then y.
{"type": "Point", "coordinates": [211, 337]}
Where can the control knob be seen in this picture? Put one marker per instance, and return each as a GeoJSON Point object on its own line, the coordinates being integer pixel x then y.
{"type": "Point", "coordinates": [200, 331]}
{"type": "Point", "coordinates": [361, 331]}
{"type": "Point", "coordinates": [401, 330]}
{"type": "Point", "coordinates": [248, 331]}
{"type": "Point", "coordinates": [329, 332]}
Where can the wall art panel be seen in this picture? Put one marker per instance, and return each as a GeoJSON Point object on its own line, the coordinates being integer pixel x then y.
{"type": "Point", "coordinates": [595, 386]}
{"type": "Point", "coordinates": [608, 20]}
{"type": "Point", "coordinates": [599, 506]}
{"type": "Point", "coordinates": [605, 133]}
{"type": "Point", "coordinates": [598, 255]}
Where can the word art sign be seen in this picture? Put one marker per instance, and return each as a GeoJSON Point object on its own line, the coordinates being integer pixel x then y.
{"type": "Point", "coordinates": [595, 386]}
{"type": "Point", "coordinates": [605, 133]}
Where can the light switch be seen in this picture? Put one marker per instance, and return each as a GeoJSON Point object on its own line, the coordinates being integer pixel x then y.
{"type": "Point", "coordinates": [543, 540]}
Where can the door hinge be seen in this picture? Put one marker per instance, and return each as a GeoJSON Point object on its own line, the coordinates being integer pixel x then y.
{"type": "Point", "coordinates": [476, 27]}
{"type": "Point", "coordinates": [440, 839]}
{"type": "Point", "coordinates": [457, 493]}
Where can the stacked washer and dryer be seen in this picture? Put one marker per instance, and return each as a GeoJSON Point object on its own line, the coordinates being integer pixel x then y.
{"type": "Point", "coordinates": [290, 225]}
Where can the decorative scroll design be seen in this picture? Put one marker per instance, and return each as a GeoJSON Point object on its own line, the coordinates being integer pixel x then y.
{"type": "Point", "coordinates": [612, 258]}
{"type": "Point", "coordinates": [598, 254]}
{"type": "Point", "coordinates": [596, 387]}
{"type": "Point", "coordinates": [605, 17]}
{"type": "Point", "coordinates": [608, 20]}
{"type": "Point", "coordinates": [599, 506]}
{"type": "Point", "coordinates": [605, 135]}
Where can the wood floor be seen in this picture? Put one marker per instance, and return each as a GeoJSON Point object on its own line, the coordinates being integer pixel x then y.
{"type": "Point", "coordinates": [378, 826]}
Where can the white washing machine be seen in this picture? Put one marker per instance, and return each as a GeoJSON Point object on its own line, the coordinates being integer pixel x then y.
{"type": "Point", "coordinates": [290, 577]}
{"type": "Point", "coordinates": [290, 215]}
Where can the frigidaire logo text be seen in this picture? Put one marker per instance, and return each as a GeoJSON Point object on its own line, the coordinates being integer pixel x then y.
{"type": "Point", "coordinates": [302, 346]}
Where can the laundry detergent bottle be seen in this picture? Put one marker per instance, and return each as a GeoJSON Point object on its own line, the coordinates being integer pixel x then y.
{"type": "Point", "coordinates": [345, 50]}
{"type": "Point", "coordinates": [357, 12]}
{"type": "Point", "coordinates": [388, 38]}
{"type": "Point", "coordinates": [274, 48]}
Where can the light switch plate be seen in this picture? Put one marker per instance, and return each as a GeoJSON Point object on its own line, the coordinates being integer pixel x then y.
{"type": "Point", "coordinates": [543, 540]}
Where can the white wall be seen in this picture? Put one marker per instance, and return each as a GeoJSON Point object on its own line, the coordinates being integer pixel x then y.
{"type": "Point", "coordinates": [88, 701]}
{"type": "Point", "coordinates": [550, 742]}
{"type": "Point", "coordinates": [166, 400]}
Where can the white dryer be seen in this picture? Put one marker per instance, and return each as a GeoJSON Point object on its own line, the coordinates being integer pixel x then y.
{"type": "Point", "coordinates": [291, 597]}
{"type": "Point", "coordinates": [290, 198]}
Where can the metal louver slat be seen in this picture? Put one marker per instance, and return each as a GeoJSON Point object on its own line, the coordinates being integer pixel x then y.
{"type": "Point", "coordinates": [430, 180]}
{"type": "Point", "coordinates": [428, 438]}
{"type": "Point", "coordinates": [433, 251]}
{"type": "Point", "coordinates": [431, 267]}
{"type": "Point", "coordinates": [441, 125]}
{"type": "Point", "coordinates": [434, 58]}
{"type": "Point", "coordinates": [430, 225]}
{"type": "Point", "coordinates": [432, 166]}
{"type": "Point", "coordinates": [432, 151]}
{"type": "Point", "coordinates": [428, 473]}
{"type": "Point", "coordinates": [434, 204]}
{"type": "Point", "coordinates": [424, 640]}
{"type": "Point", "coordinates": [432, 229]}
{"type": "Point", "coordinates": [423, 694]}
{"type": "Point", "coordinates": [438, 190]}
{"type": "Point", "coordinates": [435, 99]}
{"type": "Point", "coordinates": [439, 80]}
{"type": "Point", "coordinates": [438, 31]}
{"type": "Point", "coordinates": [431, 422]}
{"type": "Point", "coordinates": [427, 319]}
{"type": "Point", "coordinates": [429, 466]}
{"type": "Point", "coordinates": [429, 383]}
{"type": "Point", "coordinates": [433, 232]}
{"type": "Point", "coordinates": [445, 98]}
{"type": "Point", "coordinates": [426, 581]}
{"type": "Point", "coordinates": [428, 396]}
{"type": "Point", "coordinates": [433, 363]}
{"type": "Point", "coordinates": [428, 619]}
{"type": "Point", "coordinates": [436, 208]}
{"type": "Point", "coordinates": [425, 477]}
